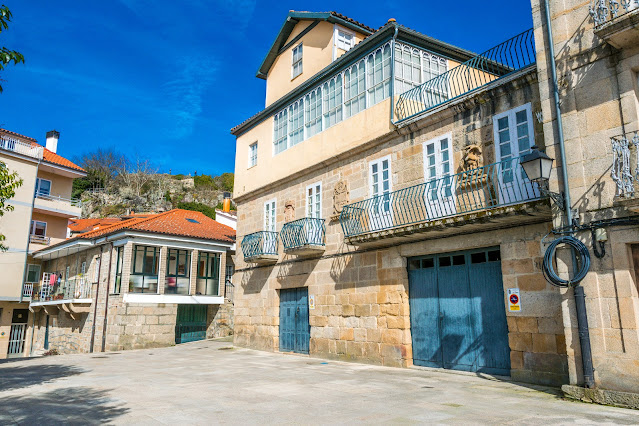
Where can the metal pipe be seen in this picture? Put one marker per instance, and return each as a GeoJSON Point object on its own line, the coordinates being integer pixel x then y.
{"type": "Point", "coordinates": [580, 297]}
{"type": "Point", "coordinates": [584, 337]}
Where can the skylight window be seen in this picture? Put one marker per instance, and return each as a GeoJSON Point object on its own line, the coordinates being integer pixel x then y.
{"type": "Point", "coordinates": [192, 220]}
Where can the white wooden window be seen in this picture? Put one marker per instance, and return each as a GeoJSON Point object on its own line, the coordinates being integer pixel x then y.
{"type": "Point", "coordinates": [314, 200]}
{"type": "Point", "coordinates": [96, 271]}
{"type": "Point", "coordinates": [332, 102]}
{"type": "Point", "coordinates": [380, 215]}
{"type": "Point", "coordinates": [270, 223]}
{"type": "Point", "coordinates": [378, 68]}
{"type": "Point", "coordinates": [408, 69]}
{"type": "Point", "coordinates": [513, 138]}
{"type": "Point", "coordinates": [38, 228]}
{"type": "Point", "coordinates": [355, 89]}
{"type": "Point", "coordinates": [313, 114]}
{"type": "Point", "coordinates": [252, 161]}
{"type": "Point", "coordinates": [83, 268]}
{"type": "Point", "coordinates": [437, 174]}
{"type": "Point", "coordinates": [344, 40]}
{"type": "Point", "coordinates": [297, 61]}
{"type": "Point", "coordinates": [33, 273]}
{"type": "Point", "coordinates": [280, 133]}
{"type": "Point", "coordinates": [43, 187]}
{"type": "Point", "coordinates": [296, 123]}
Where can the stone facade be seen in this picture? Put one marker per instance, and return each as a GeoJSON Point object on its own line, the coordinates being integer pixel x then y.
{"type": "Point", "coordinates": [598, 89]}
{"type": "Point", "coordinates": [361, 295]}
{"type": "Point", "coordinates": [129, 325]}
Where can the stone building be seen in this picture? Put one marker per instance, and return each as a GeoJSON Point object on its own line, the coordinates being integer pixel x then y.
{"type": "Point", "coordinates": [146, 281]}
{"type": "Point", "coordinates": [383, 212]}
{"type": "Point", "coordinates": [41, 209]}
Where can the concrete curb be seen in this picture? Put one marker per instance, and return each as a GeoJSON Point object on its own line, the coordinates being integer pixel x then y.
{"type": "Point", "coordinates": [602, 396]}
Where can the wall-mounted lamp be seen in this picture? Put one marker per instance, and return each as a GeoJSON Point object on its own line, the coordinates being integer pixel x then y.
{"type": "Point", "coordinates": [537, 166]}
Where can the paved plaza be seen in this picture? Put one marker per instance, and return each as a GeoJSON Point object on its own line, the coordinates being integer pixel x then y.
{"type": "Point", "coordinates": [212, 382]}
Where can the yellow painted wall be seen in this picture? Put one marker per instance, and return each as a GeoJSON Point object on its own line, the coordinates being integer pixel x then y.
{"type": "Point", "coordinates": [362, 127]}
{"type": "Point", "coordinates": [56, 228]}
{"type": "Point", "coordinates": [14, 225]}
{"type": "Point", "coordinates": [60, 185]}
{"type": "Point", "coordinates": [317, 53]}
{"type": "Point", "coordinates": [6, 313]}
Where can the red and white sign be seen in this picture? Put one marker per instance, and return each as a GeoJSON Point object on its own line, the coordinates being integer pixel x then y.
{"type": "Point", "coordinates": [514, 300]}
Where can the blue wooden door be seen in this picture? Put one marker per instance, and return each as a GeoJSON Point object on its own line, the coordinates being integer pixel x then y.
{"type": "Point", "coordinates": [458, 318]}
{"type": "Point", "coordinates": [294, 324]}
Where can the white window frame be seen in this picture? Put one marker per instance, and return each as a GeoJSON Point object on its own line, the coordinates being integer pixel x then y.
{"type": "Point", "coordinates": [321, 201]}
{"type": "Point", "coordinates": [337, 29]}
{"type": "Point", "coordinates": [522, 189]}
{"type": "Point", "coordinates": [379, 162]}
{"type": "Point", "coordinates": [280, 128]}
{"type": "Point", "coordinates": [26, 279]}
{"type": "Point", "coordinates": [273, 204]}
{"type": "Point", "coordinates": [96, 270]}
{"type": "Point", "coordinates": [299, 61]}
{"type": "Point", "coordinates": [380, 217]}
{"type": "Point", "coordinates": [442, 204]}
{"type": "Point", "coordinates": [252, 155]}
{"type": "Point", "coordinates": [33, 224]}
{"type": "Point", "coordinates": [38, 185]}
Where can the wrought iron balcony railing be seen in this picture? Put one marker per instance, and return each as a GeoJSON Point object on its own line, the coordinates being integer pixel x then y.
{"type": "Point", "coordinates": [19, 147]}
{"type": "Point", "coordinates": [500, 61]}
{"type": "Point", "coordinates": [51, 288]}
{"type": "Point", "coordinates": [27, 289]}
{"type": "Point", "coordinates": [303, 232]}
{"type": "Point", "coordinates": [262, 243]}
{"type": "Point", "coordinates": [604, 11]}
{"type": "Point", "coordinates": [621, 172]}
{"type": "Point", "coordinates": [495, 185]}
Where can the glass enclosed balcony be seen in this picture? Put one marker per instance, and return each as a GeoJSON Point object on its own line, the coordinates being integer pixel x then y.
{"type": "Point", "coordinates": [260, 247]}
{"type": "Point", "coordinates": [304, 236]}
{"type": "Point", "coordinates": [472, 196]}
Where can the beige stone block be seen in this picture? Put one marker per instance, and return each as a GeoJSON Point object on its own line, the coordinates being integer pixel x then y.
{"type": "Point", "coordinates": [360, 335]}
{"type": "Point", "coordinates": [520, 342]}
{"type": "Point", "coordinates": [373, 335]}
{"type": "Point", "coordinates": [527, 325]}
{"type": "Point", "coordinates": [544, 343]}
{"type": "Point", "coordinates": [392, 336]}
{"type": "Point", "coordinates": [516, 360]}
{"type": "Point", "coordinates": [531, 282]}
{"type": "Point", "coordinates": [362, 310]}
{"type": "Point", "coordinates": [517, 266]}
{"type": "Point", "coordinates": [613, 339]}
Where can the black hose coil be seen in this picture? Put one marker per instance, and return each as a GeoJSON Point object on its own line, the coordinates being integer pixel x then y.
{"type": "Point", "coordinates": [582, 257]}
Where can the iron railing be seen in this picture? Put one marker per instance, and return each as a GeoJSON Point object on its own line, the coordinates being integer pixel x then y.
{"type": "Point", "coordinates": [19, 147]}
{"type": "Point", "coordinates": [259, 244]}
{"type": "Point", "coordinates": [604, 11]}
{"type": "Point", "coordinates": [39, 239]}
{"type": "Point", "coordinates": [51, 288]}
{"type": "Point", "coordinates": [27, 289]}
{"type": "Point", "coordinates": [487, 187]}
{"type": "Point", "coordinates": [303, 232]}
{"type": "Point", "coordinates": [229, 290]}
{"type": "Point", "coordinates": [621, 172]}
{"type": "Point", "coordinates": [500, 61]}
{"type": "Point", "coordinates": [73, 201]}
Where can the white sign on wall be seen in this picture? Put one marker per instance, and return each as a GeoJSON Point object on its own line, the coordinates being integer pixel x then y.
{"type": "Point", "coordinates": [514, 300]}
{"type": "Point", "coordinates": [311, 301]}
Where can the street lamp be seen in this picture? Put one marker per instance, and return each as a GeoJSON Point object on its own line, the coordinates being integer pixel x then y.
{"type": "Point", "coordinates": [537, 166]}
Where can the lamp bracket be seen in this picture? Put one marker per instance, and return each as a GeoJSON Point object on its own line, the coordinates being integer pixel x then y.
{"type": "Point", "coordinates": [557, 197]}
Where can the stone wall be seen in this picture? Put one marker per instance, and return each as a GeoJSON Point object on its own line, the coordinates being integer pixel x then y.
{"type": "Point", "coordinates": [139, 326]}
{"type": "Point", "coordinates": [221, 320]}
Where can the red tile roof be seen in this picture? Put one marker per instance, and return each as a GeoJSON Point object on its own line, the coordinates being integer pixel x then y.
{"type": "Point", "coordinates": [86, 225]}
{"type": "Point", "coordinates": [53, 158]}
{"type": "Point", "coordinates": [174, 222]}
{"type": "Point", "coordinates": [352, 21]}
{"type": "Point", "coordinates": [17, 134]}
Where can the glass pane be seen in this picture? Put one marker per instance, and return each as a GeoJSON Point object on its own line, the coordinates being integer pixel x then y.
{"type": "Point", "coordinates": [502, 123]}
{"type": "Point", "coordinates": [459, 259]}
{"type": "Point", "coordinates": [494, 256]}
{"type": "Point", "coordinates": [478, 257]}
{"type": "Point", "coordinates": [428, 263]}
{"type": "Point", "coordinates": [444, 261]}
{"type": "Point", "coordinates": [139, 260]}
{"type": "Point", "coordinates": [414, 264]}
{"type": "Point", "coordinates": [521, 117]}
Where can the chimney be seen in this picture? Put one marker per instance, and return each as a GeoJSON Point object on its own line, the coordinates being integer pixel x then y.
{"type": "Point", "coordinates": [52, 140]}
{"type": "Point", "coordinates": [226, 204]}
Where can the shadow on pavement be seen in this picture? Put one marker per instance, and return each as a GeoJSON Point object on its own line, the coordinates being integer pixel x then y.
{"type": "Point", "coordinates": [22, 376]}
{"type": "Point", "coordinates": [77, 405]}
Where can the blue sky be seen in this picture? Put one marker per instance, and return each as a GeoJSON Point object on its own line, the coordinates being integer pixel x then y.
{"type": "Point", "coordinates": [166, 80]}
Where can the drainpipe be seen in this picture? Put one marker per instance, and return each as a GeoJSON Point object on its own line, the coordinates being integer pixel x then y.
{"type": "Point", "coordinates": [580, 297]}
{"type": "Point", "coordinates": [95, 307]}
{"type": "Point", "coordinates": [392, 73]}
{"type": "Point", "coordinates": [106, 303]}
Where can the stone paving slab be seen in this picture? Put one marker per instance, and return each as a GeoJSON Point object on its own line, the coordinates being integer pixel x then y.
{"type": "Point", "coordinates": [212, 382]}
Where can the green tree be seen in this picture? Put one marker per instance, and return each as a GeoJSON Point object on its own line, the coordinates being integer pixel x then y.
{"type": "Point", "coordinates": [7, 56]}
{"type": "Point", "coordinates": [198, 207]}
{"type": "Point", "coordinates": [227, 181]}
{"type": "Point", "coordinates": [9, 182]}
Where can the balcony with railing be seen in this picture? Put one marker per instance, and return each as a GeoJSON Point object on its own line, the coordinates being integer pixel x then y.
{"type": "Point", "coordinates": [616, 21]}
{"type": "Point", "coordinates": [27, 290]}
{"type": "Point", "coordinates": [39, 239]}
{"type": "Point", "coordinates": [71, 292]}
{"type": "Point", "coordinates": [304, 237]}
{"type": "Point", "coordinates": [499, 62]}
{"type": "Point", "coordinates": [260, 247]}
{"type": "Point", "coordinates": [57, 205]}
{"type": "Point", "coordinates": [487, 197]}
{"type": "Point", "coordinates": [22, 148]}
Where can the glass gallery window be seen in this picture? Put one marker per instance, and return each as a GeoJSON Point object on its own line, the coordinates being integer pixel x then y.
{"type": "Point", "coordinates": [208, 274]}
{"type": "Point", "coordinates": [144, 270]}
{"type": "Point", "coordinates": [178, 263]}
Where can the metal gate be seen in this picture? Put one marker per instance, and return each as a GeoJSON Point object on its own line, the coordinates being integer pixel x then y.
{"type": "Point", "coordinates": [191, 323]}
{"type": "Point", "coordinates": [18, 332]}
{"type": "Point", "coordinates": [295, 331]}
{"type": "Point", "coordinates": [458, 316]}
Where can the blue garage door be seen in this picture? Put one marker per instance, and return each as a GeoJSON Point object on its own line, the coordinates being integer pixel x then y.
{"type": "Point", "coordinates": [295, 330]}
{"type": "Point", "coordinates": [458, 317]}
